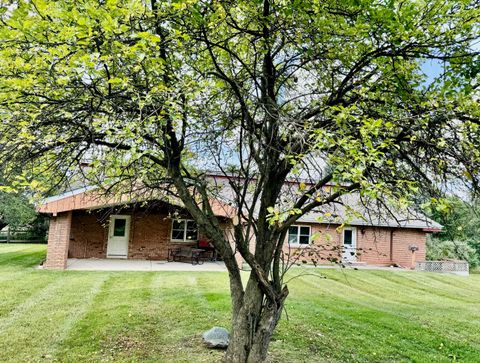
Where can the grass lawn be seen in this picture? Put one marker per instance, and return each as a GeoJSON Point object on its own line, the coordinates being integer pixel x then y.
{"type": "Point", "coordinates": [349, 316]}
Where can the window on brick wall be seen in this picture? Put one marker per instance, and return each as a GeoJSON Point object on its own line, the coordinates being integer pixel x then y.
{"type": "Point", "coordinates": [299, 235]}
{"type": "Point", "coordinates": [184, 230]}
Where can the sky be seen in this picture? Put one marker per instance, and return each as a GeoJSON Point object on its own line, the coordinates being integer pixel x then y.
{"type": "Point", "coordinates": [432, 68]}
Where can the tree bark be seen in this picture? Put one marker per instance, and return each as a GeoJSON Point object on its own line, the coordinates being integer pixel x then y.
{"type": "Point", "coordinates": [253, 323]}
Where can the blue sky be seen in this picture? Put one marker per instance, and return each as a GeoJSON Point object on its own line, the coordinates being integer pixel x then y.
{"type": "Point", "coordinates": [432, 68]}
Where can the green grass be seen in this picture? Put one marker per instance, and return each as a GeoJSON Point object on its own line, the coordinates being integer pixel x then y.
{"type": "Point", "coordinates": [348, 316]}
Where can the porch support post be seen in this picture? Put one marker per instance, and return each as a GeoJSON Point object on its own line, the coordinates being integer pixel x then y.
{"type": "Point", "coordinates": [58, 241]}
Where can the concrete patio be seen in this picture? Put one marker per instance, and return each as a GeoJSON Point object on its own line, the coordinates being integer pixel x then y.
{"type": "Point", "coordinates": [94, 264]}
{"type": "Point", "coordinates": [140, 265]}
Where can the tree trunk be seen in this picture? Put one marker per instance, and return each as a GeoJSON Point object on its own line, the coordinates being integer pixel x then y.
{"type": "Point", "coordinates": [253, 324]}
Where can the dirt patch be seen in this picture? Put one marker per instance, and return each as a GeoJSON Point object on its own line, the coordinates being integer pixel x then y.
{"type": "Point", "coordinates": [120, 345]}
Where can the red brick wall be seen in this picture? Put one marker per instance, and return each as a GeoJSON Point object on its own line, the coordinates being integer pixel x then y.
{"type": "Point", "coordinates": [324, 248]}
{"type": "Point", "coordinates": [387, 246]}
{"type": "Point", "coordinates": [149, 236]}
{"type": "Point", "coordinates": [58, 241]}
{"type": "Point", "coordinates": [373, 246]}
{"type": "Point", "coordinates": [402, 239]}
{"type": "Point", "coordinates": [88, 236]}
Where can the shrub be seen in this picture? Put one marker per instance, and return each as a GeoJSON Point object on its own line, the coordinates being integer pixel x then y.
{"type": "Point", "coordinates": [454, 250]}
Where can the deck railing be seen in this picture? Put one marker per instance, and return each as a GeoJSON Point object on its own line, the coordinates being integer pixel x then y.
{"type": "Point", "coordinates": [455, 267]}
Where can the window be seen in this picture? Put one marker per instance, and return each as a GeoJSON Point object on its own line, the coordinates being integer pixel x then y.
{"type": "Point", "coordinates": [119, 227]}
{"type": "Point", "coordinates": [184, 230]}
{"type": "Point", "coordinates": [347, 237]}
{"type": "Point", "coordinates": [299, 235]}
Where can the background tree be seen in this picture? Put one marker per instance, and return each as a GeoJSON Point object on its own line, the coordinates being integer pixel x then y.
{"type": "Point", "coordinates": [15, 210]}
{"type": "Point", "coordinates": [440, 249]}
{"type": "Point", "coordinates": [153, 93]}
{"type": "Point", "coordinates": [460, 237]}
{"type": "Point", "coordinates": [15, 207]}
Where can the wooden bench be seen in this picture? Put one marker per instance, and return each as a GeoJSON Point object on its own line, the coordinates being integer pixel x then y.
{"type": "Point", "coordinates": [189, 253]}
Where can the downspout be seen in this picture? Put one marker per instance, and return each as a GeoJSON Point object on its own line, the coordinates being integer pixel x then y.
{"type": "Point", "coordinates": [391, 244]}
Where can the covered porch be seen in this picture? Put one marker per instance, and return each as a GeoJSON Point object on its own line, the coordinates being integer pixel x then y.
{"type": "Point", "coordinates": [146, 234]}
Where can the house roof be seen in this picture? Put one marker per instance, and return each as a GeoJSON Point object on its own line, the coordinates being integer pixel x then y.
{"type": "Point", "coordinates": [356, 212]}
{"type": "Point", "coordinates": [350, 209]}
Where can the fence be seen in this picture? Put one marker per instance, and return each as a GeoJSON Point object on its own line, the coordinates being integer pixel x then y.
{"type": "Point", "coordinates": [20, 236]}
{"type": "Point", "coordinates": [455, 267]}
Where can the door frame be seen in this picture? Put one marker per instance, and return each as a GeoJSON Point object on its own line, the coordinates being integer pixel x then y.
{"type": "Point", "coordinates": [128, 219]}
{"type": "Point", "coordinates": [348, 257]}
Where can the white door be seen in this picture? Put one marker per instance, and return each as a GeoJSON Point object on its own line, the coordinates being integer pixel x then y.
{"type": "Point", "coordinates": [118, 236]}
{"type": "Point", "coordinates": [349, 240]}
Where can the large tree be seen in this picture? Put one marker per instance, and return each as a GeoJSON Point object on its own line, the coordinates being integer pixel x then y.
{"type": "Point", "coordinates": [15, 207]}
{"type": "Point", "coordinates": [15, 210]}
{"type": "Point", "coordinates": [460, 234]}
{"type": "Point", "coordinates": [153, 93]}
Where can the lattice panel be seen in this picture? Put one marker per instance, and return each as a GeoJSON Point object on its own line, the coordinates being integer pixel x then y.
{"type": "Point", "coordinates": [443, 266]}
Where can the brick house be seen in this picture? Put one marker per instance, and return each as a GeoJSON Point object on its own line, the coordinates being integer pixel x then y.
{"type": "Point", "coordinates": [85, 224]}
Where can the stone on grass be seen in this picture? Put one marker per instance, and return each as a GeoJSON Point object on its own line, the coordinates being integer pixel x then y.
{"type": "Point", "coordinates": [217, 338]}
